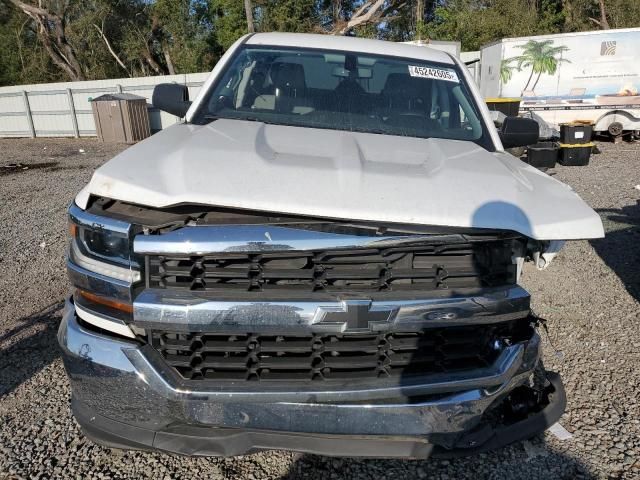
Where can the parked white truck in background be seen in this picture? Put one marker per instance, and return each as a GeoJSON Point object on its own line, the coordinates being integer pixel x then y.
{"type": "Point", "coordinates": [566, 77]}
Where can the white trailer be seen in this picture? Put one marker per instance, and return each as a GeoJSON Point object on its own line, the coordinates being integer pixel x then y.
{"type": "Point", "coordinates": [592, 76]}
{"type": "Point", "coordinates": [472, 61]}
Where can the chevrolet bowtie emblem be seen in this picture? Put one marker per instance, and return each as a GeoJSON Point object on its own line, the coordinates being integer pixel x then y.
{"type": "Point", "coordinates": [353, 315]}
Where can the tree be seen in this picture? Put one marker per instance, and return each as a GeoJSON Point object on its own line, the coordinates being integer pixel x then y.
{"type": "Point", "coordinates": [603, 22]}
{"type": "Point", "coordinates": [248, 10]}
{"type": "Point", "coordinates": [582, 15]}
{"type": "Point", "coordinates": [369, 12]}
{"type": "Point", "coordinates": [289, 15]}
{"type": "Point", "coordinates": [477, 22]}
{"type": "Point", "coordinates": [229, 22]}
{"type": "Point", "coordinates": [51, 26]}
{"type": "Point", "coordinates": [12, 51]}
{"type": "Point", "coordinates": [93, 39]}
{"type": "Point", "coordinates": [332, 13]}
{"type": "Point", "coordinates": [180, 33]}
{"type": "Point", "coordinates": [55, 40]}
{"type": "Point", "coordinates": [420, 25]}
{"type": "Point", "coordinates": [117, 58]}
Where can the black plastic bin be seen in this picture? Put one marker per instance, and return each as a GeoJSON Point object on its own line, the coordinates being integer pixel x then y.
{"type": "Point", "coordinates": [576, 132]}
{"type": "Point", "coordinates": [575, 155]}
{"type": "Point", "coordinates": [542, 154]}
{"type": "Point", "coordinates": [509, 106]}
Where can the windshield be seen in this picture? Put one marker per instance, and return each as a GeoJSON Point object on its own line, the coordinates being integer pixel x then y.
{"type": "Point", "coordinates": [346, 91]}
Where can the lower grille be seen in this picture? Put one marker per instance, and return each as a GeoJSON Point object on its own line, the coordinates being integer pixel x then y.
{"type": "Point", "coordinates": [317, 357]}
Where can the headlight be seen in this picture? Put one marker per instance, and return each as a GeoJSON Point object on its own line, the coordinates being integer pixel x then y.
{"type": "Point", "coordinates": [126, 274]}
{"type": "Point", "coordinates": [105, 244]}
{"type": "Point", "coordinates": [102, 245]}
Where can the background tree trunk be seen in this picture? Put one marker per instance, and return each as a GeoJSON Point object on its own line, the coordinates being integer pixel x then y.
{"type": "Point", "coordinates": [167, 58]}
{"type": "Point", "coordinates": [336, 9]}
{"type": "Point", "coordinates": [370, 12]}
{"type": "Point", "coordinates": [248, 10]}
{"type": "Point", "coordinates": [419, 19]}
{"type": "Point", "coordinates": [110, 48]}
{"type": "Point", "coordinates": [603, 23]}
{"type": "Point", "coordinates": [51, 30]}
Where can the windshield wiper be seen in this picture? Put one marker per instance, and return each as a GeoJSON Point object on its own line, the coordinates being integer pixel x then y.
{"type": "Point", "coordinates": [379, 131]}
{"type": "Point", "coordinates": [212, 118]}
{"type": "Point", "coordinates": [247, 119]}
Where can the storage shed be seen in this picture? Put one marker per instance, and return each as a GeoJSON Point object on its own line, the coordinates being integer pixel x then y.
{"type": "Point", "coordinates": [121, 118]}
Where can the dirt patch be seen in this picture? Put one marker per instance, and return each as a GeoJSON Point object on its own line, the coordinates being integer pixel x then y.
{"type": "Point", "coordinates": [10, 168]}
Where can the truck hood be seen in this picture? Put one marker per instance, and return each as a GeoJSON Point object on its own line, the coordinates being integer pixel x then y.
{"type": "Point", "coordinates": [344, 175]}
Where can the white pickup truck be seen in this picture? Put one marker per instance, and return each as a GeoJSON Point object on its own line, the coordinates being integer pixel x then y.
{"type": "Point", "coordinates": [323, 257]}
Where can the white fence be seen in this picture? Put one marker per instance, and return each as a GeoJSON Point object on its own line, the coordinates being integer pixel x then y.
{"type": "Point", "coordinates": [64, 109]}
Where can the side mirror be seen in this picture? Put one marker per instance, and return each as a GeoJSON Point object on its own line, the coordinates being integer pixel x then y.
{"type": "Point", "coordinates": [171, 98]}
{"type": "Point", "coordinates": [518, 132]}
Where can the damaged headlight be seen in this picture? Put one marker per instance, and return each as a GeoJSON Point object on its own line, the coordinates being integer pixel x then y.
{"type": "Point", "coordinates": [542, 253]}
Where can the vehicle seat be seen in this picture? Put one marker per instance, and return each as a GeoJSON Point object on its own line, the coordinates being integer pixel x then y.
{"type": "Point", "coordinates": [408, 101]}
{"type": "Point", "coordinates": [405, 94]}
{"type": "Point", "coordinates": [349, 96]}
{"type": "Point", "coordinates": [288, 87]}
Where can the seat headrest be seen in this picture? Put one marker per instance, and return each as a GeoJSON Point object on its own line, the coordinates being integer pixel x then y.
{"type": "Point", "coordinates": [402, 83]}
{"type": "Point", "coordinates": [288, 75]}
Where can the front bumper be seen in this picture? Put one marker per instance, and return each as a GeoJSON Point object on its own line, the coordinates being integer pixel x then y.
{"type": "Point", "coordinates": [123, 397]}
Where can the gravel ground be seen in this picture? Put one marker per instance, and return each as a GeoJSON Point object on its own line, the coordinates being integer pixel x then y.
{"type": "Point", "coordinates": [590, 295]}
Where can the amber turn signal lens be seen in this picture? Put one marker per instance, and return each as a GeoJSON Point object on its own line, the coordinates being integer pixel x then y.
{"type": "Point", "coordinates": [107, 302]}
{"type": "Point", "coordinates": [73, 230]}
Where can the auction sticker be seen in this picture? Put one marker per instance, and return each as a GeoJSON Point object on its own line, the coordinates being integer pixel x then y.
{"type": "Point", "coordinates": [433, 73]}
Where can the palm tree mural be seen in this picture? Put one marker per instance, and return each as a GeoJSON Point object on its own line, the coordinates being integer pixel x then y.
{"type": "Point", "coordinates": [506, 70]}
{"type": "Point", "coordinates": [541, 57]}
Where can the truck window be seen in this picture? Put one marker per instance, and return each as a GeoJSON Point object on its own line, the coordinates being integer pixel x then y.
{"type": "Point", "coordinates": [346, 91]}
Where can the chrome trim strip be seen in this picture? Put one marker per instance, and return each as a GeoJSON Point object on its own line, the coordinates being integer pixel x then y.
{"type": "Point", "coordinates": [84, 218]}
{"type": "Point", "coordinates": [201, 240]}
{"type": "Point", "coordinates": [97, 283]}
{"type": "Point", "coordinates": [188, 311]}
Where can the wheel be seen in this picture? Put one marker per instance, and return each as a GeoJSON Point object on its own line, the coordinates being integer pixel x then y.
{"type": "Point", "coordinates": [615, 129]}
